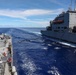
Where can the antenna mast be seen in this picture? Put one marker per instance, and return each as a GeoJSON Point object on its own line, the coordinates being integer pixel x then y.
{"type": "Point", "coordinates": [70, 7]}
{"type": "Point", "coordinates": [75, 6]}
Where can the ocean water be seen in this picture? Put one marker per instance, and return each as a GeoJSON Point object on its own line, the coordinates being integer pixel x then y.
{"type": "Point", "coordinates": [36, 55]}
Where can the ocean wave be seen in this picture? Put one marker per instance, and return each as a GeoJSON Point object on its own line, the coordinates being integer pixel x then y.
{"type": "Point", "coordinates": [54, 71]}
{"type": "Point", "coordinates": [28, 64]}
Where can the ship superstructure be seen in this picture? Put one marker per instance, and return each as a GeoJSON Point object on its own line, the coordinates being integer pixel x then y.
{"type": "Point", "coordinates": [6, 56]}
{"type": "Point", "coordinates": [64, 22]}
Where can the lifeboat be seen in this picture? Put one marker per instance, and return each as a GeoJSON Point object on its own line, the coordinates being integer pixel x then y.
{"type": "Point", "coordinates": [58, 21]}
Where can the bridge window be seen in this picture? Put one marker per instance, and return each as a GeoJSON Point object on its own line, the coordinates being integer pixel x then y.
{"type": "Point", "coordinates": [65, 27]}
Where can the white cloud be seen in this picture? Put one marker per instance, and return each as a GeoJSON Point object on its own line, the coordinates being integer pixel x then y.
{"type": "Point", "coordinates": [23, 14]}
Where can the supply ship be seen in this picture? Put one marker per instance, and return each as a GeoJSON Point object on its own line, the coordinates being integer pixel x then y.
{"type": "Point", "coordinates": [63, 27]}
{"type": "Point", "coordinates": [6, 56]}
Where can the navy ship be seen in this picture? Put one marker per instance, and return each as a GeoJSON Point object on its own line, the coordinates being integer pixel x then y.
{"type": "Point", "coordinates": [6, 56]}
{"type": "Point", "coordinates": [63, 27]}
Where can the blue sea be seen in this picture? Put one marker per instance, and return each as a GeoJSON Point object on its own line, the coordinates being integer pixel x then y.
{"type": "Point", "coordinates": [34, 54]}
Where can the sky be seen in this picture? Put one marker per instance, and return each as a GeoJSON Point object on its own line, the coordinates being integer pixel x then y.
{"type": "Point", "coordinates": [30, 13]}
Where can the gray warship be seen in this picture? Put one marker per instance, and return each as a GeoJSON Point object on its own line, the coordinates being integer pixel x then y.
{"type": "Point", "coordinates": [6, 56]}
{"type": "Point", "coordinates": [63, 27]}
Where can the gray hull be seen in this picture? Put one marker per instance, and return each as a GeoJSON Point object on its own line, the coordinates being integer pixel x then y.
{"type": "Point", "coordinates": [65, 37]}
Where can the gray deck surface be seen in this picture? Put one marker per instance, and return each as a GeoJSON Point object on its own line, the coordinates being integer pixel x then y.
{"type": "Point", "coordinates": [7, 70]}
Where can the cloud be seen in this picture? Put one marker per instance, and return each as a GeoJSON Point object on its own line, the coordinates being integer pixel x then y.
{"type": "Point", "coordinates": [23, 20]}
{"type": "Point", "coordinates": [23, 14]}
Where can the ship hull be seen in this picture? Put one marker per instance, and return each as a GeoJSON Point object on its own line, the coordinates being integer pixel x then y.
{"type": "Point", "coordinates": [61, 36]}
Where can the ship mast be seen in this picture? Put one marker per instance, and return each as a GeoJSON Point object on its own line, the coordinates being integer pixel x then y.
{"type": "Point", "coordinates": [70, 7]}
{"type": "Point", "coordinates": [75, 6]}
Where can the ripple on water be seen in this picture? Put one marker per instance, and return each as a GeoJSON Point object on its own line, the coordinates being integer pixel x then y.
{"type": "Point", "coordinates": [57, 48]}
{"type": "Point", "coordinates": [27, 65]}
{"type": "Point", "coordinates": [45, 48]}
{"type": "Point", "coordinates": [54, 71]}
{"type": "Point", "coordinates": [49, 45]}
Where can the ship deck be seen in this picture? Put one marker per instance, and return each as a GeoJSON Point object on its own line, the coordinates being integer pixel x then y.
{"type": "Point", "coordinates": [7, 72]}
